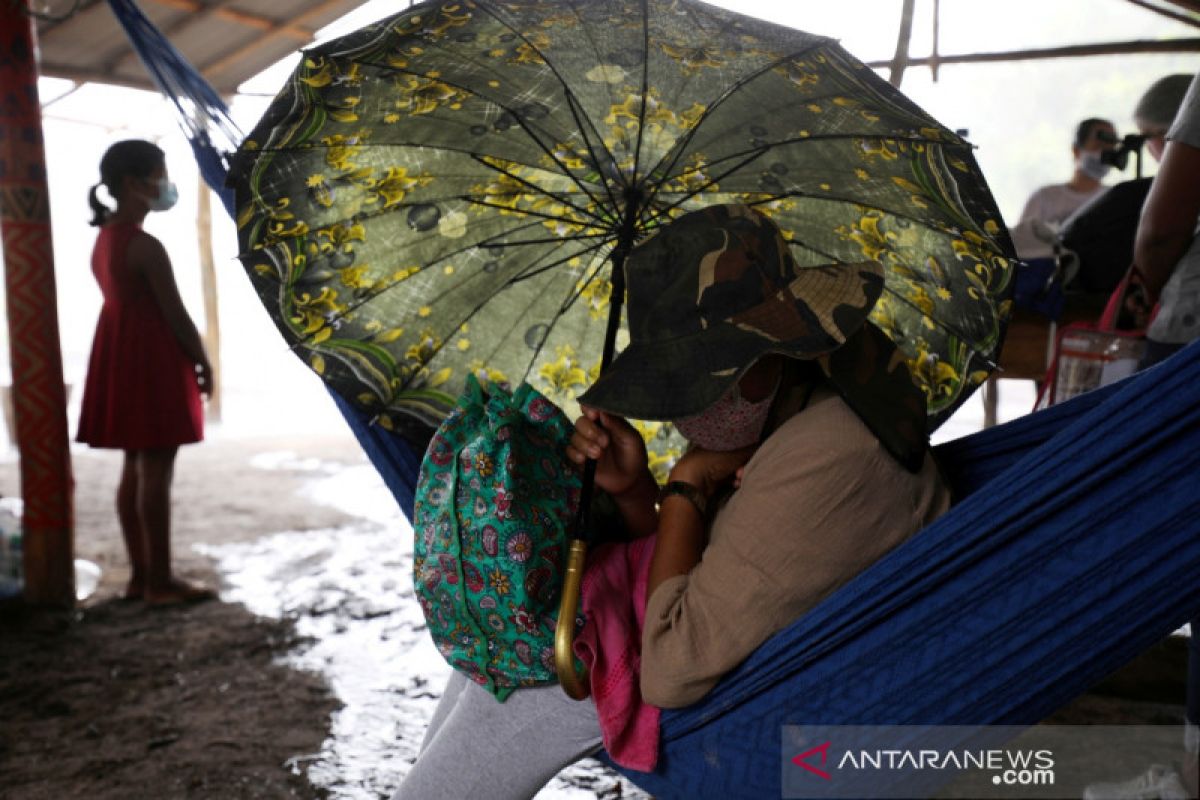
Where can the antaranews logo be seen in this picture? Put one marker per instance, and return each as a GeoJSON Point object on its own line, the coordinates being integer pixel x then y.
{"type": "Point", "coordinates": [864, 764]}
{"type": "Point", "coordinates": [821, 750]}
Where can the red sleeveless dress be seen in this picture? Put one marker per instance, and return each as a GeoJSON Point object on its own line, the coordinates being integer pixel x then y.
{"type": "Point", "coordinates": [141, 390]}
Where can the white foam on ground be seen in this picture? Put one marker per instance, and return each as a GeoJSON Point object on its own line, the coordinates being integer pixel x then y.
{"type": "Point", "coordinates": [349, 592]}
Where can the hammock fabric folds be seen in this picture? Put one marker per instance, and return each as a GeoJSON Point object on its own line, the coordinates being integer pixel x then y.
{"type": "Point", "coordinates": [1078, 548]}
{"type": "Point", "coordinates": [1075, 548]}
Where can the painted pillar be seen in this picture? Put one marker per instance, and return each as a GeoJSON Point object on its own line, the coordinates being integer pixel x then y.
{"type": "Point", "coordinates": [39, 400]}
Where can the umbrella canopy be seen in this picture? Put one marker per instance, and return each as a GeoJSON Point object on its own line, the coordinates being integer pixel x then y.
{"type": "Point", "coordinates": [440, 193]}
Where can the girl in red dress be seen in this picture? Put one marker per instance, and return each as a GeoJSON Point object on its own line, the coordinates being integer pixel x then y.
{"type": "Point", "coordinates": [147, 369]}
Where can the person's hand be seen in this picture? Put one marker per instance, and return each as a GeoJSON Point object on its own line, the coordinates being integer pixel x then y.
{"type": "Point", "coordinates": [709, 470]}
{"type": "Point", "coordinates": [617, 448]}
{"type": "Point", "coordinates": [204, 378]}
{"type": "Point", "coordinates": [737, 476]}
{"type": "Point", "coordinates": [1137, 301]}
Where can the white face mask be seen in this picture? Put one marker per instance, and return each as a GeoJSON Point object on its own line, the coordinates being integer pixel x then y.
{"type": "Point", "coordinates": [1089, 164]}
{"type": "Point", "coordinates": [166, 197]}
{"type": "Point", "coordinates": [731, 423]}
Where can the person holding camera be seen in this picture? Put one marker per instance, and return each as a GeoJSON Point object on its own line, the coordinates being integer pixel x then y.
{"type": "Point", "coordinates": [1048, 207]}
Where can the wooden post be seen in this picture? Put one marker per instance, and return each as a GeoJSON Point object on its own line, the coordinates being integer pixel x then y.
{"type": "Point", "coordinates": [933, 56]}
{"type": "Point", "coordinates": [208, 279]}
{"type": "Point", "coordinates": [39, 399]}
{"type": "Point", "coordinates": [900, 59]}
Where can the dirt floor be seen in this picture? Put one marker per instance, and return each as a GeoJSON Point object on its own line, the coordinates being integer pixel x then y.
{"type": "Point", "coordinates": [115, 700]}
{"type": "Point", "coordinates": [119, 701]}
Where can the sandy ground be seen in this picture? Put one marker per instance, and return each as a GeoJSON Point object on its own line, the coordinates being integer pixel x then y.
{"type": "Point", "coordinates": [313, 677]}
{"type": "Point", "coordinates": [116, 700]}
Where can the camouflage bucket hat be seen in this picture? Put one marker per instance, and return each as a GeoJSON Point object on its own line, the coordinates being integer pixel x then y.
{"type": "Point", "coordinates": [709, 295]}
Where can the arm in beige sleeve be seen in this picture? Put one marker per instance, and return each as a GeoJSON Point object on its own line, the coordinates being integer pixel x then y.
{"type": "Point", "coordinates": [762, 569]}
{"type": "Point", "coordinates": [818, 505]}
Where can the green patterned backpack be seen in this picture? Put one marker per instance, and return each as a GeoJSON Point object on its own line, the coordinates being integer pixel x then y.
{"type": "Point", "coordinates": [494, 503]}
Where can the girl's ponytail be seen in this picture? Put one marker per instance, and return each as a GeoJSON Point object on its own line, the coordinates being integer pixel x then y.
{"type": "Point", "coordinates": [100, 212]}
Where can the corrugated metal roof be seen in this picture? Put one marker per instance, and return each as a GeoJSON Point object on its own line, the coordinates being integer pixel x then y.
{"type": "Point", "coordinates": [229, 41]}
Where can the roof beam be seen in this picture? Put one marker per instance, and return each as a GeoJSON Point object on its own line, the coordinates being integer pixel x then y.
{"type": "Point", "coordinates": [224, 62]}
{"type": "Point", "coordinates": [291, 30]}
{"type": "Point", "coordinates": [1186, 19]}
{"type": "Point", "coordinates": [206, 11]}
{"type": "Point", "coordinates": [1187, 5]}
{"type": "Point", "coordinates": [1070, 51]}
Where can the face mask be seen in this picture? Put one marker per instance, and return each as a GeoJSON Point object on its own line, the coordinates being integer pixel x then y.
{"type": "Point", "coordinates": [728, 424]}
{"type": "Point", "coordinates": [165, 198]}
{"type": "Point", "coordinates": [1089, 164]}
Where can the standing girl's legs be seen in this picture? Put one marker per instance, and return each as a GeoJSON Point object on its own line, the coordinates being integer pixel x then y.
{"type": "Point", "coordinates": [131, 526]}
{"type": "Point", "coordinates": [154, 471]}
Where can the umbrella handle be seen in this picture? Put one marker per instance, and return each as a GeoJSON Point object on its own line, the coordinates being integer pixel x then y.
{"type": "Point", "coordinates": [573, 683]}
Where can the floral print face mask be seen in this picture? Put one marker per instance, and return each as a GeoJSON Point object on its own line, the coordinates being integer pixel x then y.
{"type": "Point", "coordinates": [730, 423]}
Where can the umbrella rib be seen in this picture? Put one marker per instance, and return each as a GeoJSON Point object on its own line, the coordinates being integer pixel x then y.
{"type": "Point", "coordinates": [527, 275]}
{"type": "Point", "coordinates": [542, 344]}
{"type": "Point", "coordinates": [552, 240]}
{"type": "Point", "coordinates": [485, 6]}
{"type": "Point", "coordinates": [579, 289]}
{"type": "Point", "coordinates": [479, 307]}
{"type": "Point", "coordinates": [384, 211]}
{"type": "Point", "coordinates": [890, 212]}
{"type": "Point", "coordinates": [359, 304]}
{"type": "Point", "coordinates": [537, 188]}
{"type": "Point", "coordinates": [519, 318]}
{"type": "Point", "coordinates": [524, 125]}
{"type": "Point", "coordinates": [425, 146]}
{"type": "Point", "coordinates": [612, 159]}
{"type": "Point", "coordinates": [637, 150]}
{"type": "Point", "coordinates": [575, 112]}
{"type": "Point", "coordinates": [659, 213]}
{"type": "Point", "coordinates": [679, 149]}
{"type": "Point", "coordinates": [942, 324]}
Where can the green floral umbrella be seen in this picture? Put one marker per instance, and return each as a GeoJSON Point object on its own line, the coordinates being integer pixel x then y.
{"type": "Point", "coordinates": [443, 192]}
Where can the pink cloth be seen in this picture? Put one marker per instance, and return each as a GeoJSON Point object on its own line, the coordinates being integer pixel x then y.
{"type": "Point", "coordinates": [610, 644]}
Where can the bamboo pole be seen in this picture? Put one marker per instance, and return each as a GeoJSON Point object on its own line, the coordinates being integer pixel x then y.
{"type": "Point", "coordinates": [39, 398]}
{"type": "Point", "coordinates": [1069, 51]}
{"type": "Point", "coordinates": [1186, 19]}
{"type": "Point", "coordinates": [208, 280]}
{"type": "Point", "coordinates": [900, 59]}
{"type": "Point", "coordinates": [937, 21]}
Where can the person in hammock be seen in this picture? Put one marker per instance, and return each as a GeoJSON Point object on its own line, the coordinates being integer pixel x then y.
{"type": "Point", "coordinates": [808, 461]}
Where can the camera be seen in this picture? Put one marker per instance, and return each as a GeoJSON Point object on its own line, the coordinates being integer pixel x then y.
{"type": "Point", "coordinates": [1132, 143]}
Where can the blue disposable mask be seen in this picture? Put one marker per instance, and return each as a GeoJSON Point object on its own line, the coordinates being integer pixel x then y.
{"type": "Point", "coordinates": [166, 197]}
{"type": "Point", "coordinates": [1090, 164]}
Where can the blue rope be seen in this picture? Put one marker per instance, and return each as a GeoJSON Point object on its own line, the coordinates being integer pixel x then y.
{"type": "Point", "coordinates": [201, 112]}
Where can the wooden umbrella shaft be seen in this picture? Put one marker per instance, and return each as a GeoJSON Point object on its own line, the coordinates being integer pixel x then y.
{"type": "Point", "coordinates": [573, 683]}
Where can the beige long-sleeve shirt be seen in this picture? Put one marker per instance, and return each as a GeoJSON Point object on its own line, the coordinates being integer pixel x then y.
{"type": "Point", "coordinates": [820, 501]}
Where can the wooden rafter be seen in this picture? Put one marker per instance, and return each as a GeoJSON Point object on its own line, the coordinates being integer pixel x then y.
{"type": "Point", "coordinates": [293, 29]}
{"type": "Point", "coordinates": [198, 12]}
{"type": "Point", "coordinates": [1186, 5]}
{"type": "Point", "coordinates": [1070, 51]}
{"type": "Point", "coordinates": [900, 59]}
{"type": "Point", "coordinates": [224, 62]}
{"type": "Point", "coordinates": [1186, 19]}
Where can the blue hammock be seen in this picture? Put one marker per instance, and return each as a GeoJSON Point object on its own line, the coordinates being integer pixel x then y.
{"type": "Point", "coordinates": [1076, 547]}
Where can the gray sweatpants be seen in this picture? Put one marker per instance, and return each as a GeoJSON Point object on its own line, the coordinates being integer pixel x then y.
{"type": "Point", "coordinates": [476, 747]}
